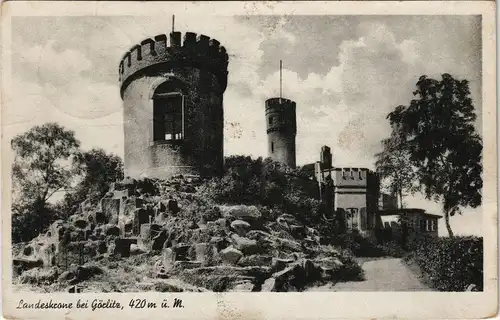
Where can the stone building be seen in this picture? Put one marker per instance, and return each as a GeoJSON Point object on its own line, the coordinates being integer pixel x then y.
{"type": "Point", "coordinates": [409, 221]}
{"type": "Point", "coordinates": [356, 192]}
{"type": "Point", "coordinates": [172, 91]}
{"type": "Point", "coordinates": [281, 130]}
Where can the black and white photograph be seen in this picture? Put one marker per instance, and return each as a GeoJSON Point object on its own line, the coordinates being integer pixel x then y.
{"type": "Point", "coordinates": [273, 152]}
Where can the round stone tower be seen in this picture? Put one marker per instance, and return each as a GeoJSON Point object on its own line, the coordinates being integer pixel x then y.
{"type": "Point", "coordinates": [172, 93]}
{"type": "Point", "coordinates": [281, 130]}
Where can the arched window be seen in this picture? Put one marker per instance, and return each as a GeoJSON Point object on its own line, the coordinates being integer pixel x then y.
{"type": "Point", "coordinates": [168, 113]}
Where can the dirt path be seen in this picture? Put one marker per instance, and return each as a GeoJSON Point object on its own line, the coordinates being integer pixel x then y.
{"type": "Point", "coordinates": [388, 274]}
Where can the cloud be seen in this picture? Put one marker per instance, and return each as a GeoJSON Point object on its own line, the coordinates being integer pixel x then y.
{"type": "Point", "coordinates": [345, 107]}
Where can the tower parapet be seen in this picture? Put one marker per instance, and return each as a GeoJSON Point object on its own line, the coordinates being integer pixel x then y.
{"type": "Point", "coordinates": [194, 50]}
{"type": "Point", "coordinates": [281, 130]}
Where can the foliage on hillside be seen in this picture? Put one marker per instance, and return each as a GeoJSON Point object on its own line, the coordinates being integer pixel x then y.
{"type": "Point", "coordinates": [48, 160]}
{"type": "Point", "coordinates": [264, 182]}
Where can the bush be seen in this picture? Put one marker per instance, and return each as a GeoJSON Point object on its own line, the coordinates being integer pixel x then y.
{"type": "Point", "coordinates": [450, 264]}
{"type": "Point", "coordinates": [358, 244]}
{"type": "Point", "coordinates": [30, 219]}
{"type": "Point", "coordinates": [264, 182]}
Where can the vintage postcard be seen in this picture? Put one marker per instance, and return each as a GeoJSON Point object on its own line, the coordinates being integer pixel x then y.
{"type": "Point", "coordinates": [249, 160]}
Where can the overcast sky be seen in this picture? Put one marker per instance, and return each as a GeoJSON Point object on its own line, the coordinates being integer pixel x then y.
{"type": "Point", "coordinates": [344, 72]}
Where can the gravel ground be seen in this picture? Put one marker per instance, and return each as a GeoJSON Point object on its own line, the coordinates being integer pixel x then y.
{"type": "Point", "coordinates": [387, 274]}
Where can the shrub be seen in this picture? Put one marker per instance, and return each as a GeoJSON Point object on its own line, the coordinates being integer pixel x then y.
{"type": "Point", "coordinates": [450, 264]}
{"type": "Point", "coordinates": [264, 182]}
{"type": "Point", "coordinates": [30, 219]}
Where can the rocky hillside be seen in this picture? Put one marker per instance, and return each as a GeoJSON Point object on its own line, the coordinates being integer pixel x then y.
{"type": "Point", "coordinates": [167, 235]}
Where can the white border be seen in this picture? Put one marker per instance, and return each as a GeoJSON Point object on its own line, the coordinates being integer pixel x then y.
{"type": "Point", "coordinates": [316, 305]}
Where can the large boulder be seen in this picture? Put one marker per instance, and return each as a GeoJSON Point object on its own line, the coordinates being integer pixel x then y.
{"type": "Point", "coordinates": [111, 209]}
{"type": "Point", "coordinates": [245, 245]}
{"type": "Point", "coordinates": [295, 277]}
{"type": "Point", "coordinates": [278, 264]}
{"type": "Point", "coordinates": [130, 205]}
{"type": "Point", "coordinates": [80, 222]}
{"type": "Point", "coordinates": [181, 251]}
{"type": "Point", "coordinates": [223, 223]}
{"type": "Point", "coordinates": [265, 241]}
{"type": "Point", "coordinates": [220, 243]}
{"type": "Point", "coordinates": [168, 258]}
{"type": "Point", "coordinates": [288, 245]}
{"type": "Point", "coordinates": [159, 240]}
{"type": "Point", "coordinates": [240, 227]}
{"type": "Point", "coordinates": [111, 230]}
{"type": "Point", "coordinates": [255, 260]}
{"type": "Point", "coordinates": [224, 277]}
{"type": "Point", "coordinates": [173, 207]}
{"type": "Point", "coordinates": [242, 212]}
{"type": "Point", "coordinates": [297, 231]}
{"type": "Point", "coordinates": [284, 280]}
{"type": "Point", "coordinates": [100, 218]}
{"type": "Point", "coordinates": [23, 264]}
{"type": "Point", "coordinates": [286, 218]}
{"type": "Point", "coordinates": [85, 272]}
{"type": "Point", "coordinates": [205, 253]}
{"type": "Point", "coordinates": [243, 286]}
{"type": "Point", "coordinates": [230, 255]}
{"type": "Point", "coordinates": [135, 250]}
{"type": "Point", "coordinates": [102, 247]}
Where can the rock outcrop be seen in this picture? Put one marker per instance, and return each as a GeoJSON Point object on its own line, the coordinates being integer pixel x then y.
{"type": "Point", "coordinates": [202, 244]}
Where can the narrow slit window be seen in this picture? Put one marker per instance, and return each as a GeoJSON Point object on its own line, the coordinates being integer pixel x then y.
{"type": "Point", "coordinates": [271, 120]}
{"type": "Point", "coordinates": [168, 117]}
{"type": "Point", "coordinates": [272, 146]}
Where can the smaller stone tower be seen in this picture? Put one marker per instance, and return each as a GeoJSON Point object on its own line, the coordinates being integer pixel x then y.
{"type": "Point", "coordinates": [281, 130]}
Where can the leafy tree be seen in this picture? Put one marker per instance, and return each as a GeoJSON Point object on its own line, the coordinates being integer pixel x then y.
{"type": "Point", "coordinates": [395, 169]}
{"type": "Point", "coordinates": [437, 130]}
{"type": "Point", "coordinates": [96, 170]}
{"type": "Point", "coordinates": [42, 166]}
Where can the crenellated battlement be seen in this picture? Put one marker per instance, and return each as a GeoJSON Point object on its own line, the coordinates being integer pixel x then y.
{"type": "Point", "coordinates": [280, 103]}
{"type": "Point", "coordinates": [280, 114]}
{"type": "Point", "coordinates": [193, 50]}
{"type": "Point", "coordinates": [348, 177]}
